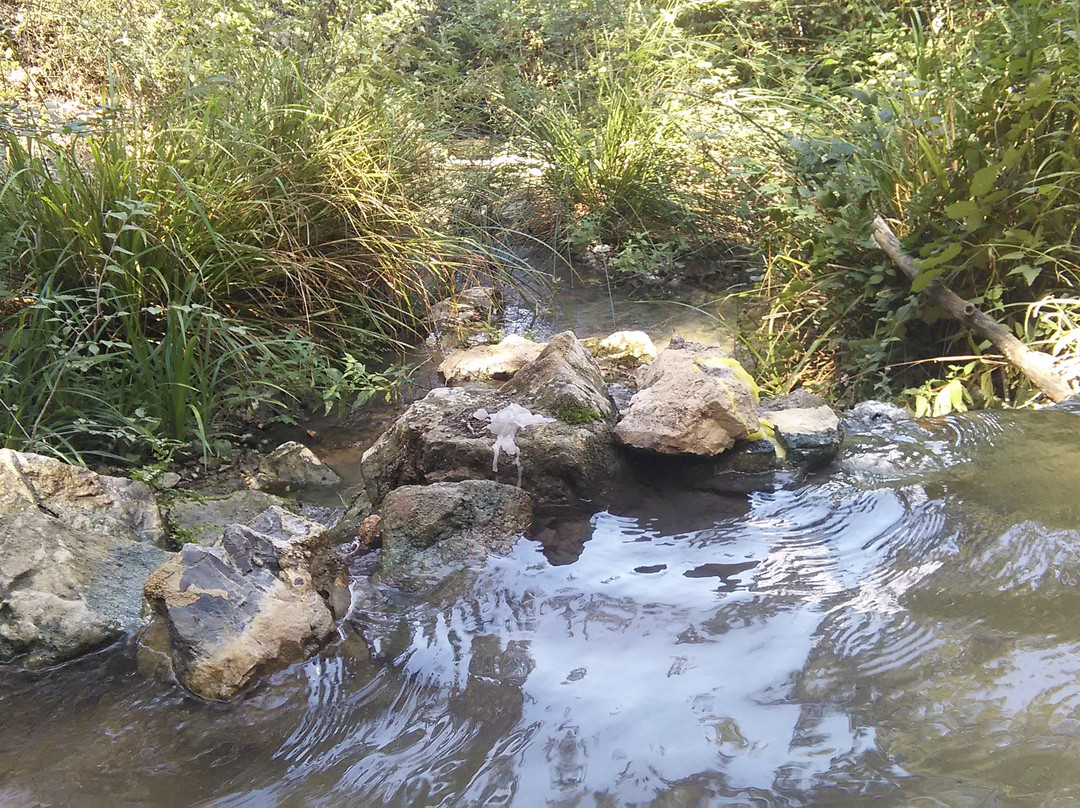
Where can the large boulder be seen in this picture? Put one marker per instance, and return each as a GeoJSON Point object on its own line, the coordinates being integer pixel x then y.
{"type": "Point", "coordinates": [82, 499]}
{"type": "Point", "coordinates": [564, 380]}
{"type": "Point", "coordinates": [246, 607]}
{"type": "Point", "coordinates": [425, 528]}
{"type": "Point", "coordinates": [439, 439]}
{"type": "Point", "coordinates": [499, 361]}
{"type": "Point", "coordinates": [75, 547]}
{"type": "Point", "coordinates": [692, 400]}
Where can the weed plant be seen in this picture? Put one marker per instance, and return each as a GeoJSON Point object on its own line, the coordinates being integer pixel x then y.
{"type": "Point", "coordinates": [255, 199]}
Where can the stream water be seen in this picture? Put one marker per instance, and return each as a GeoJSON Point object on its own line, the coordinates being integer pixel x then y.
{"type": "Point", "coordinates": [903, 628]}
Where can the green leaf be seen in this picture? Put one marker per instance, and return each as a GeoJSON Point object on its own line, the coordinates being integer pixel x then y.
{"type": "Point", "coordinates": [946, 254]}
{"type": "Point", "coordinates": [962, 209]}
{"type": "Point", "coordinates": [983, 181]}
{"type": "Point", "coordinates": [1029, 272]}
{"type": "Point", "coordinates": [922, 280]}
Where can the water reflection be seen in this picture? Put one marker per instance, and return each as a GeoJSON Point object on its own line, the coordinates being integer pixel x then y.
{"type": "Point", "coordinates": [903, 630]}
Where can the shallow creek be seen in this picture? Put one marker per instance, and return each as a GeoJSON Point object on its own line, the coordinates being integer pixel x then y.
{"type": "Point", "coordinates": [903, 628]}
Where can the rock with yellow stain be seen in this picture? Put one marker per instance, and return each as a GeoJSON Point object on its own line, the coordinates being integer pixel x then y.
{"type": "Point", "coordinates": [692, 400]}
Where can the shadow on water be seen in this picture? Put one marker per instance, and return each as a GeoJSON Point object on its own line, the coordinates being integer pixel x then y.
{"type": "Point", "coordinates": [901, 630]}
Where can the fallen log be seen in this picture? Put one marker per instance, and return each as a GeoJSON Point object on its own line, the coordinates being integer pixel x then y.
{"type": "Point", "coordinates": [1037, 366]}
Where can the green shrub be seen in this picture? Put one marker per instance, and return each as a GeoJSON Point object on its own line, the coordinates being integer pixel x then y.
{"type": "Point", "coordinates": [966, 136]}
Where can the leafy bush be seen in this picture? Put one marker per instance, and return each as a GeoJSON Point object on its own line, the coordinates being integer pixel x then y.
{"type": "Point", "coordinates": [965, 133]}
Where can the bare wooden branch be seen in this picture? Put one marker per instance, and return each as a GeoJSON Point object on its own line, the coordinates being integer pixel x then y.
{"type": "Point", "coordinates": [1037, 366]}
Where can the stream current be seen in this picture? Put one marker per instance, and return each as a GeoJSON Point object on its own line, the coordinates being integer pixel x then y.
{"type": "Point", "coordinates": [902, 628]}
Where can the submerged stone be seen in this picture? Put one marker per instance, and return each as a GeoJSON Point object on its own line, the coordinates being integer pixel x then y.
{"type": "Point", "coordinates": [425, 528]}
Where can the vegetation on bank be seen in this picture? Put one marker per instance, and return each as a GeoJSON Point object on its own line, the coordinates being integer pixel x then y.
{"type": "Point", "coordinates": [211, 210]}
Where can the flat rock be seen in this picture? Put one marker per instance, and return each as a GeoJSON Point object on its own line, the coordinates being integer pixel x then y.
{"type": "Point", "coordinates": [426, 528]}
{"type": "Point", "coordinates": [245, 607]}
{"type": "Point", "coordinates": [80, 498]}
{"type": "Point", "coordinates": [202, 521]}
{"type": "Point", "coordinates": [692, 400]}
{"type": "Point", "coordinates": [810, 434]}
{"type": "Point", "coordinates": [500, 361]}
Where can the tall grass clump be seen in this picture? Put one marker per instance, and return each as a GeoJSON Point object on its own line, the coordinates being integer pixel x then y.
{"type": "Point", "coordinates": [171, 274]}
{"type": "Point", "coordinates": [624, 163]}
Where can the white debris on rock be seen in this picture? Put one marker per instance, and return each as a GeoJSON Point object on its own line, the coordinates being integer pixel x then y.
{"type": "Point", "coordinates": [504, 426]}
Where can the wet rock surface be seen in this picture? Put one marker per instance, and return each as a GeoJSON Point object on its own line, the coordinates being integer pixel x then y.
{"type": "Point", "coordinates": [426, 528]}
{"type": "Point", "coordinates": [810, 435]}
{"type": "Point", "coordinates": [246, 607]}
{"type": "Point", "coordinates": [75, 547]}
{"type": "Point", "coordinates": [623, 349]}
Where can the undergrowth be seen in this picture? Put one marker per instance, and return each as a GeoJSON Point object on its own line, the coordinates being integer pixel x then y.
{"type": "Point", "coordinates": [211, 211]}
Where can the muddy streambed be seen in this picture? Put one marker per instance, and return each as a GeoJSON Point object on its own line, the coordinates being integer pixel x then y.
{"type": "Point", "coordinates": [902, 629]}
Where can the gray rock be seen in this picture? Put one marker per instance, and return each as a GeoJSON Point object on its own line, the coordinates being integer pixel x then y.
{"type": "Point", "coordinates": [692, 400]}
{"type": "Point", "coordinates": [246, 607]}
{"type": "Point", "coordinates": [564, 377]}
{"type": "Point", "coordinates": [358, 509]}
{"type": "Point", "coordinates": [65, 591]}
{"type": "Point", "coordinates": [80, 498]}
{"type": "Point", "coordinates": [471, 305]}
{"type": "Point", "coordinates": [438, 440]}
{"type": "Point", "coordinates": [293, 465]}
{"type": "Point", "coordinates": [500, 361]}
{"type": "Point", "coordinates": [810, 434]}
{"type": "Point", "coordinates": [798, 399]}
{"type": "Point", "coordinates": [75, 547]}
{"type": "Point", "coordinates": [425, 528]}
{"type": "Point", "coordinates": [203, 521]}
